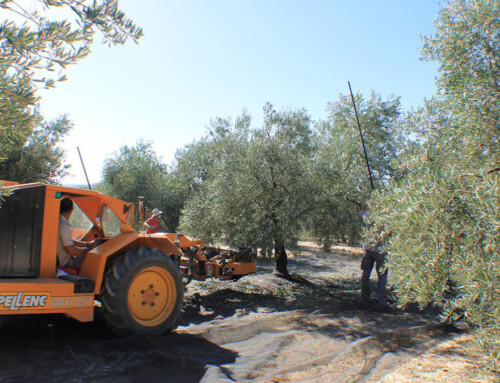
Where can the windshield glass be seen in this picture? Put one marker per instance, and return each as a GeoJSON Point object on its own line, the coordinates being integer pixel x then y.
{"type": "Point", "coordinates": [110, 223]}
{"type": "Point", "coordinates": [79, 222]}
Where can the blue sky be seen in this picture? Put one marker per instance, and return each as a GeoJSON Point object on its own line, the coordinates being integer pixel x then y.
{"type": "Point", "coordinates": [201, 59]}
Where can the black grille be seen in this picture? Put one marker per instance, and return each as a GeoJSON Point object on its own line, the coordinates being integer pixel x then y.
{"type": "Point", "coordinates": [21, 221]}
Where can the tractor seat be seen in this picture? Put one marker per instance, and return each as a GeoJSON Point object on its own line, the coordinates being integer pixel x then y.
{"type": "Point", "coordinates": [61, 270]}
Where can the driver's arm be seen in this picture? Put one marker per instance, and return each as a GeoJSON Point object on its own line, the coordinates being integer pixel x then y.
{"type": "Point", "coordinates": [75, 251]}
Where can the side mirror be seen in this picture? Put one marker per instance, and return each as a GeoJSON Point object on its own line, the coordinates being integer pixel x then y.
{"type": "Point", "coordinates": [140, 208]}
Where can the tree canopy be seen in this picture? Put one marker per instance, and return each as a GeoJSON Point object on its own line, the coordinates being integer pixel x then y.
{"type": "Point", "coordinates": [41, 158]}
{"type": "Point", "coordinates": [254, 190]}
{"type": "Point", "coordinates": [36, 46]}
{"type": "Point", "coordinates": [135, 171]}
{"type": "Point", "coordinates": [444, 208]}
{"type": "Point", "coordinates": [341, 179]}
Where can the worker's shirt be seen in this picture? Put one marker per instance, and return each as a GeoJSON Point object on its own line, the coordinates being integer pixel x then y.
{"type": "Point", "coordinates": [372, 244]}
{"type": "Point", "coordinates": [65, 239]}
{"type": "Point", "coordinates": [152, 225]}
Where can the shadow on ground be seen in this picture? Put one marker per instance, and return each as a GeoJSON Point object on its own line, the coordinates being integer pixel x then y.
{"type": "Point", "coordinates": [58, 349]}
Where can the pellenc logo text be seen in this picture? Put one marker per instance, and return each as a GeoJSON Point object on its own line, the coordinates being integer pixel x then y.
{"type": "Point", "coordinates": [20, 300]}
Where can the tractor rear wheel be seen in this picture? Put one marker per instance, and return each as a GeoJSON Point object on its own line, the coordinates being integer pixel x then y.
{"type": "Point", "coordinates": [142, 293]}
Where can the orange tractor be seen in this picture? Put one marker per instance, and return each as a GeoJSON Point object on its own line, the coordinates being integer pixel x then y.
{"type": "Point", "coordinates": [136, 278]}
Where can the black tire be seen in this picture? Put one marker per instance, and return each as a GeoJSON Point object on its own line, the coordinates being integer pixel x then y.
{"type": "Point", "coordinates": [142, 293]}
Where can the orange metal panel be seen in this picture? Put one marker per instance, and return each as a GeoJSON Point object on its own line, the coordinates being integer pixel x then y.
{"type": "Point", "coordinates": [95, 261]}
{"type": "Point", "coordinates": [242, 268]}
{"type": "Point", "coordinates": [44, 296]}
{"type": "Point", "coordinates": [8, 183]}
{"type": "Point", "coordinates": [185, 241]}
{"type": "Point", "coordinates": [50, 232]}
{"type": "Point", "coordinates": [161, 242]}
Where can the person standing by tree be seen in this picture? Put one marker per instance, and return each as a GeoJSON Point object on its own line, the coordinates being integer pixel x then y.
{"type": "Point", "coordinates": [374, 255]}
{"type": "Point", "coordinates": [153, 223]}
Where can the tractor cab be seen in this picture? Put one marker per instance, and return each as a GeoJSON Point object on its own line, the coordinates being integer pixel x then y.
{"type": "Point", "coordinates": [29, 225]}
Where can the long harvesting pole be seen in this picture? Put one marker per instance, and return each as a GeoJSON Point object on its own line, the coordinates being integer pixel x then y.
{"type": "Point", "coordinates": [361, 134]}
{"type": "Point", "coordinates": [83, 165]}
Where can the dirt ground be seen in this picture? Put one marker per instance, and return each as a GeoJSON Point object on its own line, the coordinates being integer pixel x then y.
{"type": "Point", "coordinates": [258, 329]}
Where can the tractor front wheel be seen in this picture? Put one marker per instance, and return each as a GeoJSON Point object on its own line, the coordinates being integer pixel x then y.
{"type": "Point", "coordinates": [142, 293]}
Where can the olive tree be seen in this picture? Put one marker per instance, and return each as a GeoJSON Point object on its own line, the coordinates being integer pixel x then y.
{"type": "Point", "coordinates": [279, 172]}
{"type": "Point", "coordinates": [211, 171]}
{"type": "Point", "coordinates": [36, 47]}
{"type": "Point", "coordinates": [341, 178]}
{"type": "Point", "coordinates": [444, 207]}
{"type": "Point", "coordinates": [41, 159]}
{"type": "Point", "coordinates": [135, 171]}
{"type": "Point", "coordinates": [255, 189]}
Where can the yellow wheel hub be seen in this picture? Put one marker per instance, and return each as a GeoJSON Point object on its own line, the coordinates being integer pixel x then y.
{"type": "Point", "coordinates": [151, 296]}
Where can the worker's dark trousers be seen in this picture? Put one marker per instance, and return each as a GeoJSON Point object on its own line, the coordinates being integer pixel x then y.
{"type": "Point", "coordinates": [370, 258]}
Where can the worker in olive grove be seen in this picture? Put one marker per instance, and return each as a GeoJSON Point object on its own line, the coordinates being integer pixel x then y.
{"type": "Point", "coordinates": [153, 223]}
{"type": "Point", "coordinates": [70, 252]}
{"type": "Point", "coordinates": [374, 254]}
